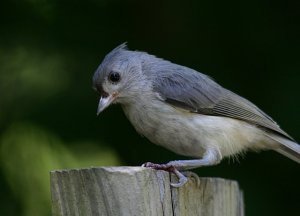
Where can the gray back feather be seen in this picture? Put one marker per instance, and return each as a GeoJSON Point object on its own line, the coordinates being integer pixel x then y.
{"type": "Point", "coordinates": [188, 89]}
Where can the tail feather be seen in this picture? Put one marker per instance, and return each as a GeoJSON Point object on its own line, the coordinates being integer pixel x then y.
{"type": "Point", "coordinates": [287, 148]}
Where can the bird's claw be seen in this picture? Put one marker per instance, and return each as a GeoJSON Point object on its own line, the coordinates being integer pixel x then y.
{"type": "Point", "coordinates": [165, 167]}
{"type": "Point", "coordinates": [171, 168]}
{"type": "Point", "coordinates": [193, 175]}
{"type": "Point", "coordinates": [182, 179]}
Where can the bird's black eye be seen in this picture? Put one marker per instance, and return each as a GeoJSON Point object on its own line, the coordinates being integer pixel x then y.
{"type": "Point", "coordinates": [114, 77]}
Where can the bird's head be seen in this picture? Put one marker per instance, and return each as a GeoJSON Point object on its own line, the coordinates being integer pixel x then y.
{"type": "Point", "coordinates": [118, 78]}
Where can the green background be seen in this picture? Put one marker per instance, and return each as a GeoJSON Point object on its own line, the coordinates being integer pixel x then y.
{"type": "Point", "coordinates": [49, 50]}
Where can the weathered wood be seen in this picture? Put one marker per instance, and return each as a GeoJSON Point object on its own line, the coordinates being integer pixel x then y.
{"type": "Point", "coordinates": [141, 192]}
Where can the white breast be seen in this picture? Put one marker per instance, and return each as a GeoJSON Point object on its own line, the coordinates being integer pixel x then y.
{"type": "Point", "coordinates": [190, 134]}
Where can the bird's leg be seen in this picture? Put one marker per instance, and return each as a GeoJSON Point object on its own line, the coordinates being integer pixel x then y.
{"type": "Point", "coordinates": [211, 157]}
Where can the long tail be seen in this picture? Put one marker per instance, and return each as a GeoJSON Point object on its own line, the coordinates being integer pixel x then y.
{"type": "Point", "coordinates": [287, 148]}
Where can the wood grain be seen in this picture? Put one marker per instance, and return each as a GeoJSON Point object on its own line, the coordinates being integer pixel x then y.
{"type": "Point", "coordinates": [142, 192]}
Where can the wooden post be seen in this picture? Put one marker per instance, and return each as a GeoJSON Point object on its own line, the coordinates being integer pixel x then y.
{"type": "Point", "coordinates": [141, 192]}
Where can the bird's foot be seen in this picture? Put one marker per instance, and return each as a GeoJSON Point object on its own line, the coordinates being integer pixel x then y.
{"type": "Point", "coordinates": [193, 175]}
{"type": "Point", "coordinates": [165, 167]}
{"type": "Point", "coordinates": [170, 168]}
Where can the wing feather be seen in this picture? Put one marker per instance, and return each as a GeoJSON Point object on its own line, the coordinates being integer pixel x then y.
{"type": "Point", "coordinates": [188, 89]}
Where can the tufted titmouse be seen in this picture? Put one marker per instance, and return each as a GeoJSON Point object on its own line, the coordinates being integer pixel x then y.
{"type": "Point", "coordinates": [185, 111]}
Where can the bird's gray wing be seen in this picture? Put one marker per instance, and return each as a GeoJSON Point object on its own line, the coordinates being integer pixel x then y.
{"type": "Point", "coordinates": [198, 93]}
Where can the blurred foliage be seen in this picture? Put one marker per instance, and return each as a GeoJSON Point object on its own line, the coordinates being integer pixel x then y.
{"type": "Point", "coordinates": [49, 50]}
{"type": "Point", "coordinates": [29, 152]}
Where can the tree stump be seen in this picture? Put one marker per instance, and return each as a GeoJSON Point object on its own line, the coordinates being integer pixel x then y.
{"type": "Point", "coordinates": [142, 192]}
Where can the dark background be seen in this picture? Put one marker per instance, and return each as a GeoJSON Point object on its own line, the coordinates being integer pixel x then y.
{"type": "Point", "coordinates": [49, 50]}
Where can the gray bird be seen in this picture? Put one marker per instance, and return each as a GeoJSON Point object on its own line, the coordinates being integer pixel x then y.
{"type": "Point", "coordinates": [185, 111]}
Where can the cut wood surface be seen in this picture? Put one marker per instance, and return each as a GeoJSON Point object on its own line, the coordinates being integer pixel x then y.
{"type": "Point", "coordinates": [141, 192]}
